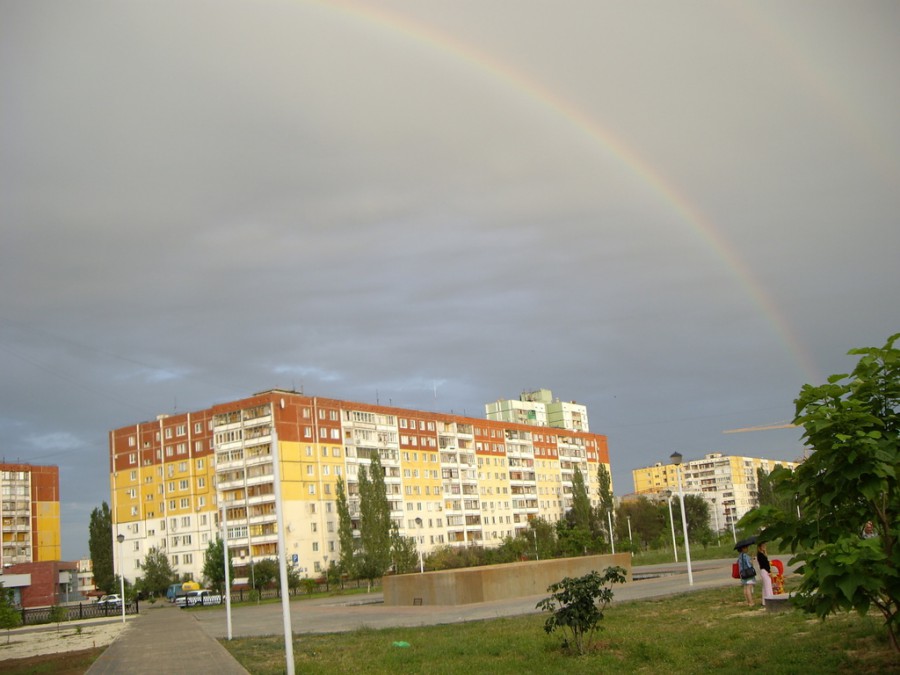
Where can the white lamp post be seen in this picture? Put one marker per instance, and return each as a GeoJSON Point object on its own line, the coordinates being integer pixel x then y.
{"type": "Point", "coordinates": [672, 523]}
{"type": "Point", "coordinates": [120, 538]}
{"type": "Point", "coordinates": [716, 516]}
{"type": "Point", "coordinates": [612, 541]}
{"type": "Point", "coordinates": [676, 460]}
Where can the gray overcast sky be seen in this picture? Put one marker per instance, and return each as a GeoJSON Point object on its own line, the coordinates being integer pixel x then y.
{"type": "Point", "coordinates": [674, 213]}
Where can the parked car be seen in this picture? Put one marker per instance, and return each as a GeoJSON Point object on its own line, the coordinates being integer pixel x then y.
{"type": "Point", "coordinates": [204, 597]}
{"type": "Point", "coordinates": [110, 601]}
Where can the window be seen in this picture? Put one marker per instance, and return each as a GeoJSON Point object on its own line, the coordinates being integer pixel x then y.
{"type": "Point", "coordinates": [175, 560]}
{"type": "Point", "coordinates": [198, 428]}
{"type": "Point", "coordinates": [203, 519]}
{"type": "Point", "coordinates": [134, 510]}
{"type": "Point", "coordinates": [200, 465]}
{"type": "Point", "coordinates": [137, 546]}
{"type": "Point", "coordinates": [171, 505]}
{"type": "Point", "coordinates": [315, 546]}
{"type": "Point", "coordinates": [312, 489]}
{"type": "Point", "coordinates": [185, 521]}
{"type": "Point", "coordinates": [201, 482]}
{"type": "Point", "coordinates": [185, 503]}
{"type": "Point", "coordinates": [169, 433]}
{"type": "Point", "coordinates": [180, 430]}
{"type": "Point", "coordinates": [131, 441]}
{"type": "Point", "coordinates": [187, 540]}
{"type": "Point", "coordinates": [132, 458]}
{"type": "Point", "coordinates": [188, 558]}
{"type": "Point", "coordinates": [182, 485]}
{"type": "Point", "coordinates": [314, 527]}
{"type": "Point", "coordinates": [134, 475]}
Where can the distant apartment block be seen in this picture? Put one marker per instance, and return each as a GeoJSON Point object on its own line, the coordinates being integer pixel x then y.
{"type": "Point", "coordinates": [29, 514]}
{"type": "Point", "coordinates": [450, 479]}
{"type": "Point", "coordinates": [539, 408]}
{"type": "Point", "coordinates": [728, 483]}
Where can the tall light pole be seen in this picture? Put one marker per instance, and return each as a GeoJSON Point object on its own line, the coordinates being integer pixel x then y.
{"type": "Point", "coordinates": [120, 538]}
{"type": "Point", "coordinates": [716, 516]}
{"type": "Point", "coordinates": [226, 554]}
{"type": "Point", "coordinates": [612, 541]}
{"type": "Point", "coordinates": [676, 460]}
{"type": "Point", "coordinates": [672, 523]}
{"type": "Point", "coordinates": [282, 560]}
{"type": "Point", "coordinates": [630, 538]}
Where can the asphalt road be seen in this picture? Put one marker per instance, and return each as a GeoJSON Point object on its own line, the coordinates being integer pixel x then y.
{"type": "Point", "coordinates": [349, 613]}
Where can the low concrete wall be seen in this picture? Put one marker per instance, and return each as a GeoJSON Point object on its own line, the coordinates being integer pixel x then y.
{"type": "Point", "coordinates": [493, 582]}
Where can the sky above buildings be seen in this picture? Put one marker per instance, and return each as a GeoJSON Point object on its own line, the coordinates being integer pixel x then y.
{"type": "Point", "coordinates": [674, 213]}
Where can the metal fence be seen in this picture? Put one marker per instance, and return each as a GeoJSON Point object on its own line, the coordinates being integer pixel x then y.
{"type": "Point", "coordinates": [83, 610]}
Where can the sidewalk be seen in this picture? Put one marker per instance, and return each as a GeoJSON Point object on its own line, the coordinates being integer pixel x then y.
{"type": "Point", "coordinates": [165, 639]}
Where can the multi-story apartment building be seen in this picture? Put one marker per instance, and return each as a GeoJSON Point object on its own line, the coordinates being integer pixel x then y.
{"type": "Point", "coordinates": [539, 408]}
{"type": "Point", "coordinates": [728, 483]}
{"type": "Point", "coordinates": [29, 514]}
{"type": "Point", "coordinates": [450, 479]}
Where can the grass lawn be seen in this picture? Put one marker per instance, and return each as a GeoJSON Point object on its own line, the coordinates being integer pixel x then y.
{"type": "Point", "coordinates": [705, 631]}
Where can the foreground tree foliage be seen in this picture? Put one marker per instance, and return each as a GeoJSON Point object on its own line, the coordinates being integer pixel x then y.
{"type": "Point", "coordinates": [851, 476]}
{"type": "Point", "coordinates": [576, 606]}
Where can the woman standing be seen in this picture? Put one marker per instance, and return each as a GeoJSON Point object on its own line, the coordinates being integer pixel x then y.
{"type": "Point", "coordinates": [765, 571]}
{"type": "Point", "coordinates": [745, 566]}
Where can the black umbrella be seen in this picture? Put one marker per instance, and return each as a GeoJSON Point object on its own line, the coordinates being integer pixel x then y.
{"type": "Point", "coordinates": [749, 541]}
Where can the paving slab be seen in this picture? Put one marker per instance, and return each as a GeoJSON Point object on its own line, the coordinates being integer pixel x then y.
{"type": "Point", "coordinates": [165, 639]}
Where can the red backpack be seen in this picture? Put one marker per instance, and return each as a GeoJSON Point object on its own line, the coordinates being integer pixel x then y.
{"type": "Point", "coordinates": [735, 571]}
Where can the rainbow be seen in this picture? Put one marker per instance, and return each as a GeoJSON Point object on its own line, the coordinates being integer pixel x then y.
{"type": "Point", "coordinates": [663, 187]}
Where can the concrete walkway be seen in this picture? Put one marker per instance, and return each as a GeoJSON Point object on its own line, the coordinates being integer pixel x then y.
{"type": "Point", "coordinates": [165, 639]}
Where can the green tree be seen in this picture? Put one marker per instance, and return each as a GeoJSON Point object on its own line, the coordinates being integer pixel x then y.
{"type": "Point", "coordinates": [647, 522]}
{"type": "Point", "coordinates": [214, 565]}
{"type": "Point", "coordinates": [581, 502]}
{"type": "Point", "coordinates": [604, 489]}
{"type": "Point", "coordinates": [404, 554]}
{"type": "Point", "coordinates": [697, 514]}
{"type": "Point", "coordinates": [100, 544]}
{"type": "Point", "coordinates": [265, 573]}
{"type": "Point", "coordinates": [10, 617]}
{"type": "Point", "coordinates": [576, 606]}
{"type": "Point", "coordinates": [295, 581]}
{"type": "Point", "coordinates": [542, 535]}
{"type": "Point", "coordinates": [347, 543]}
{"type": "Point", "coordinates": [158, 573]}
{"type": "Point", "coordinates": [850, 477]}
{"type": "Point", "coordinates": [374, 522]}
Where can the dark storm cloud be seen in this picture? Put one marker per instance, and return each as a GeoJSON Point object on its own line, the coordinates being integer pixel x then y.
{"type": "Point", "coordinates": [430, 205]}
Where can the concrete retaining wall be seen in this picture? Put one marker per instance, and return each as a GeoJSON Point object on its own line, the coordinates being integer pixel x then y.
{"type": "Point", "coordinates": [493, 582]}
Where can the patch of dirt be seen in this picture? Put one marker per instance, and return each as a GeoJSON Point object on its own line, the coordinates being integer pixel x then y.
{"type": "Point", "coordinates": [70, 663]}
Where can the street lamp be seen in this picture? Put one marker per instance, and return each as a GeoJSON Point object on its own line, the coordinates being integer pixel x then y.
{"type": "Point", "coordinates": [672, 523]}
{"type": "Point", "coordinates": [120, 538]}
{"type": "Point", "coordinates": [676, 460]}
{"type": "Point", "coordinates": [716, 516]}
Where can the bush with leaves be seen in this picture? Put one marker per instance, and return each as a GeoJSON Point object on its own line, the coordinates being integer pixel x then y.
{"type": "Point", "coordinates": [10, 617]}
{"type": "Point", "coordinates": [852, 475]}
{"type": "Point", "coordinates": [577, 604]}
{"type": "Point", "coordinates": [58, 614]}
